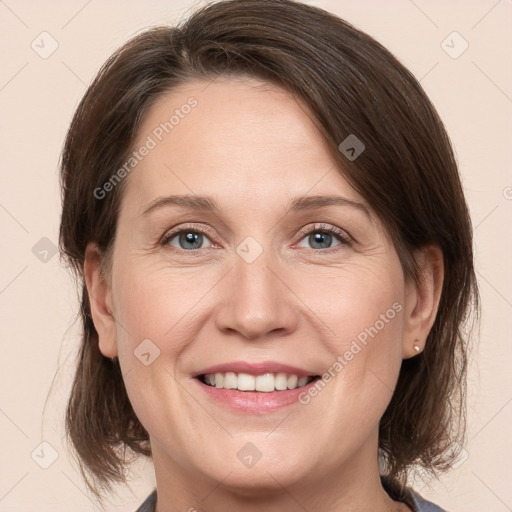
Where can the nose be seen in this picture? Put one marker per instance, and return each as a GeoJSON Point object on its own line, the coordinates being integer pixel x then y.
{"type": "Point", "coordinates": [256, 303]}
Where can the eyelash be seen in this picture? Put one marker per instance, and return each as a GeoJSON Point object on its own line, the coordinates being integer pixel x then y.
{"type": "Point", "coordinates": [343, 237]}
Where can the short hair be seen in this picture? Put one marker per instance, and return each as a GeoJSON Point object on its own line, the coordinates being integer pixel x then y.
{"type": "Point", "coordinates": [407, 173]}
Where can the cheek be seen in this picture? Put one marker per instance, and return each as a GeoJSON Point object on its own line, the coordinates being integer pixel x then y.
{"type": "Point", "coordinates": [156, 303]}
{"type": "Point", "coordinates": [159, 313]}
{"type": "Point", "coordinates": [365, 317]}
{"type": "Point", "coordinates": [368, 359]}
{"type": "Point", "coordinates": [359, 304]}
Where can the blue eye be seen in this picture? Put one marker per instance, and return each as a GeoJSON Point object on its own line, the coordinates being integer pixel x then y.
{"type": "Point", "coordinates": [325, 237]}
{"type": "Point", "coordinates": [321, 240]}
{"type": "Point", "coordinates": [187, 240]}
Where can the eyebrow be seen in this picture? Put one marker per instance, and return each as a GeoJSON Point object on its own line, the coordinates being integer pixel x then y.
{"type": "Point", "coordinates": [312, 202]}
{"type": "Point", "coordinates": [205, 203]}
{"type": "Point", "coordinates": [186, 201]}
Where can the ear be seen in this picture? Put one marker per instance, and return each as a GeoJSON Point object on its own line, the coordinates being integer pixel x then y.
{"type": "Point", "coordinates": [100, 298]}
{"type": "Point", "coordinates": [422, 299]}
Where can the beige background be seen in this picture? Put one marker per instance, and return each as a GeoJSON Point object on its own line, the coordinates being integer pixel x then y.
{"type": "Point", "coordinates": [473, 94]}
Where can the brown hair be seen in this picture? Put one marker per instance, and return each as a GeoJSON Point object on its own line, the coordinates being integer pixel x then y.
{"type": "Point", "coordinates": [407, 173]}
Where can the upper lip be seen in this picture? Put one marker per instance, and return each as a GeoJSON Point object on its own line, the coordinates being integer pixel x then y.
{"type": "Point", "coordinates": [255, 368]}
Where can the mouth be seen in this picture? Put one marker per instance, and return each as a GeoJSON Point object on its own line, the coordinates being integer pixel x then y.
{"type": "Point", "coordinates": [265, 383]}
{"type": "Point", "coordinates": [254, 388]}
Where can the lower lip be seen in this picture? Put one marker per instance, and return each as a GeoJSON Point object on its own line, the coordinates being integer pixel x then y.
{"type": "Point", "coordinates": [254, 401]}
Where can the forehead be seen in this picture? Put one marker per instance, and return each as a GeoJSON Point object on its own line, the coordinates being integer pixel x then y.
{"type": "Point", "coordinates": [236, 139]}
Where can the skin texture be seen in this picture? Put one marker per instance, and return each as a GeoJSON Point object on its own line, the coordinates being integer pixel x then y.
{"type": "Point", "coordinates": [253, 147]}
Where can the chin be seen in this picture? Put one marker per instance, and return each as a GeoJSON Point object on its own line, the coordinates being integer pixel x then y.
{"type": "Point", "coordinates": [252, 482]}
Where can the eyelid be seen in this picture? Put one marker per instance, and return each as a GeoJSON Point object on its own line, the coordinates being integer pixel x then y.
{"type": "Point", "coordinates": [344, 236]}
{"type": "Point", "coordinates": [171, 233]}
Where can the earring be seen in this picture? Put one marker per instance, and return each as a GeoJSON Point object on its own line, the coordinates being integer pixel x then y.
{"type": "Point", "coordinates": [417, 347]}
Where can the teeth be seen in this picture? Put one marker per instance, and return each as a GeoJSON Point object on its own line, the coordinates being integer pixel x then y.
{"type": "Point", "coordinates": [265, 383]}
{"type": "Point", "coordinates": [246, 382]}
{"type": "Point", "coordinates": [281, 382]}
{"type": "Point", "coordinates": [292, 381]}
{"type": "Point", "coordinates": [230, 380]}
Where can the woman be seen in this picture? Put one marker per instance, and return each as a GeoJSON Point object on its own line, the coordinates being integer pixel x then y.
{"type": "Point", "coordinates": [267, 221]}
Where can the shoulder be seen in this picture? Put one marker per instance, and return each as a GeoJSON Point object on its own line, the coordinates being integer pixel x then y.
{"type": "Point", "coordinates": [411, 498]}
{"type": "Point", "coordinates": [422, 505]}
{"type": "Point", "coordinates": [149, 504]}
{"type": "Point", "coordinates": [408, 496]}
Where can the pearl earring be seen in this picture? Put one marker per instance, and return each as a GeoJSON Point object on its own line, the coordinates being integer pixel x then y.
{"type": "Point", "coordinates": [417, 347]}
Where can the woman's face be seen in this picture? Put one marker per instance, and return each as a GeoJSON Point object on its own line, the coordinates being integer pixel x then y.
{"type": "Point", "coordinates": [243, 254]}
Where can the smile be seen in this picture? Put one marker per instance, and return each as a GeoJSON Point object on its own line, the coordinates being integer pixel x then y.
{"type": "Point", "coordinates": [266, 383]}
{"type": "Point", "coordinates": [251, 387]}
